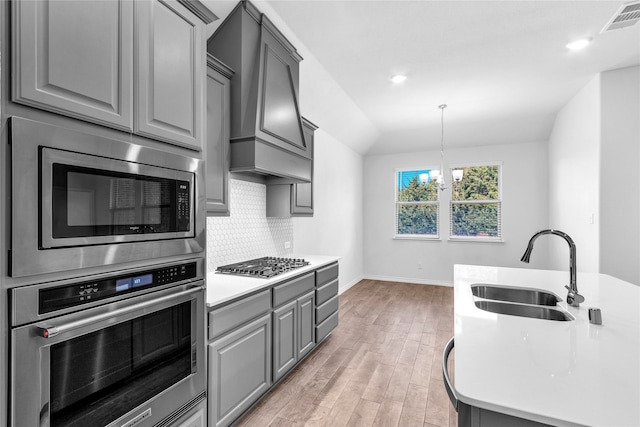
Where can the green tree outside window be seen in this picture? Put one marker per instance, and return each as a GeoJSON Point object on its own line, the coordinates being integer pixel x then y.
{"type": "Point", "coordinates": [416, 204]}
{"type": "Point", "coordinates": [475, 203]}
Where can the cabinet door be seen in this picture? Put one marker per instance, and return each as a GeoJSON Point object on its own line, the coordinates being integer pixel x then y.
{"type": "Point", "coordinates": [75, 58]}
{"type": "Point", "coordinates": [302, 194]}
{"type": "Point", "coordinates": [285, 328]}
{"type": "Point", "coordinates": [170, 67]}
{"type": "Point", "coordinates": [239, 370]}
{"type": "Point", "coordinates": [306, 324]}
{"type": "Point", "coordinates": [217, 145]}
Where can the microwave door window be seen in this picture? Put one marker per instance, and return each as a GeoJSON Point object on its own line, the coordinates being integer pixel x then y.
{"type": "Point", "coordinates": [123, 205]}
{"type": "Point", "coordinates": [87, 201]}
{"type": "Point", "coordinates": [91, 202]}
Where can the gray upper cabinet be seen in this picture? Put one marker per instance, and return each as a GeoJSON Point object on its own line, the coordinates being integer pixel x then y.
{"type": "Point", "coordinates": [288, 200]}
{"type": "Point", "coordinates": [95, 62]}
{"type": "Point", "coordinates": [302, 194]}
{"type": "Point", "coordinates": [170, 64]}
{"type": "Point", "coordinates": [217, 144]}
{"type": "Point", "coordinates": [75, 58]}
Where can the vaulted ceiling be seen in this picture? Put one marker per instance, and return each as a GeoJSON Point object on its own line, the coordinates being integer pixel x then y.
{"type": "Point", "coordinates": [502, 67]}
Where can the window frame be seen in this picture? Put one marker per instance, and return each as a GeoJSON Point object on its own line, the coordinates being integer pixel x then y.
{"type": "Point", "coordinates": [397, 203]}
{"type": "Point", "coordinates": [480, 239]}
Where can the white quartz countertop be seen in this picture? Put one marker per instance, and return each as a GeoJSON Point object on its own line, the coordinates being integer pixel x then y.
{"type": "Point", "coordinates": [226, 287]}
{"type": "Point", "coordinates": [561, 373]}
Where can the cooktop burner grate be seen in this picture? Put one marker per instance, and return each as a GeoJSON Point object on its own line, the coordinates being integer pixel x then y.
{"type": "Point", "coordinates": [263, 267]}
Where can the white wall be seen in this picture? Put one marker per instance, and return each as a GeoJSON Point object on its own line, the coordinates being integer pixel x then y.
{"type": "Point", "coordinates": [594, 163]}
{"type": "Point", "coordinates": [524, 208]}
{"type": "Point", "coordinates": [336, 225]}
{"type": "Point", "coordinates": [620, 174]}
{"type": "Point", "coordinates": [574, 177]}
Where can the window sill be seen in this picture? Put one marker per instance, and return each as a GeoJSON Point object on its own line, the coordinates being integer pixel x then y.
{"type": "Point", "coordinates": [477, 239]}
{"type": "Point", "coordinates": [415, 237]}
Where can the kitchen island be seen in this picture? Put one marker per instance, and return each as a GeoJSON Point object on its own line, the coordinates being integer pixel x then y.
{"type": "Point", "coordinates": [560, 373]}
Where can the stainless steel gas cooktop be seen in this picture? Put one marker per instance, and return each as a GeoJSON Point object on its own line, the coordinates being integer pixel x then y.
{"type": "Point", "coordinates": [263, 267]}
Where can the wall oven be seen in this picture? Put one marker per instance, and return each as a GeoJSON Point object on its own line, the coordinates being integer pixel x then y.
{"type": "Point", "coordinates": [123, 349]}
{"type": "Point", "coordinates": [81, 200]}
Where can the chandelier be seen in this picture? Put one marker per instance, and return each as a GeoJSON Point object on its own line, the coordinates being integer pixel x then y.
{"type": "Point", "coordinates": [438, 174]}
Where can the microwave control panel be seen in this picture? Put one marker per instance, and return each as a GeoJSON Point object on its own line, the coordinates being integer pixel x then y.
{"type": "Point", "coordinates": [57, 298]}
{"type": "Point", "coordinates": [183, 202]}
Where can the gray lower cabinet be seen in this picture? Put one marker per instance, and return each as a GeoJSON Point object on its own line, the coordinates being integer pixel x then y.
{"type": "Point", "coordinates": [293, 333]}
{"type": "Point", "coordinates": [239, 370]}
{"type": "Point", "coordinates": [256, 340]}
{"type": "Point", "coordinates": [284, 339]}
{"type": "Point", "coordinates": [327, 302]}
{"type": "Point", "coordinates": [472, 416]}
{"type": "Point", "coordinates": [306, 324]}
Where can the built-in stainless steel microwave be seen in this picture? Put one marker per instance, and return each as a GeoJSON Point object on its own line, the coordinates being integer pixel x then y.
{"type": "Point", "coordinates": [82, 200]}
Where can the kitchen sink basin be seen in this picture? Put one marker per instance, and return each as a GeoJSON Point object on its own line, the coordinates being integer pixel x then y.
{"type": "Point", "coordinates": [522, 310]}
{"type": "Point", "coordinates": [514, 294]}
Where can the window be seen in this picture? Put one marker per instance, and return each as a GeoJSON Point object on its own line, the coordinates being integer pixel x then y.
{"type": "Point", "coordinates": [476, 203]}
{"type": "Point", "coordinates": [416, 204]}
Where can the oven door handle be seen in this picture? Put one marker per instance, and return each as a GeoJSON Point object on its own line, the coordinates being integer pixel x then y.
{"type": "Point", "coordinates": [51, 331]}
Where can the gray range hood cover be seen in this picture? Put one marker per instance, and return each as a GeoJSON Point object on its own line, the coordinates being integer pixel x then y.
{"type": "Point", "coordinates": [266, 124]}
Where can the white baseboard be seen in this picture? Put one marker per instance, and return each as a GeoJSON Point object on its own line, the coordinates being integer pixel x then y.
{"type": "Point", "coordinates": [342, 288]}
{"type": "Point", "coordinates": [409, 280]}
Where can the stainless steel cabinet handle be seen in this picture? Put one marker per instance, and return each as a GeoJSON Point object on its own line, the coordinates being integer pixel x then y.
{"type": "Point", "coordinates": [51, 331]}
{"type": "Point", "coordinates": [445, 374]}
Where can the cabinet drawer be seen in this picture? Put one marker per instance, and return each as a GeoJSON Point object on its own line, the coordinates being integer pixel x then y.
{"type": "Point", "coordinates": [323, 329]}
{"type": "Point", "coordinates": [327, 309]}
{"type": "Point", "coordinates": [292, 289]}
{"type": "Point", "coordinates": [224, 319]}
{"type": "Point", "coordinates": [326, 292]}
{"type": "Point", "coordinates": [326, 274]}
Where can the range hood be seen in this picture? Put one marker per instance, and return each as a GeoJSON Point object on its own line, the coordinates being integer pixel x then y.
{"type": "Point", "coordinates": [266, 126]}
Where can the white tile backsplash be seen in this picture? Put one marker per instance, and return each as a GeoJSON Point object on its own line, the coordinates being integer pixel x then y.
{"type": "Point", "coordinates": [247, 233]}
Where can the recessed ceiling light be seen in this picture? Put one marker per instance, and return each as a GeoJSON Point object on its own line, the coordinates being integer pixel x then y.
{"type": "Point", "coordinates": [398, 78]}
{"type": "Point", "coordinates": [579, 44]}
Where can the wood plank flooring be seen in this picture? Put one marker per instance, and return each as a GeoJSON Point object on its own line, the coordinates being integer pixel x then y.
{"type": "Point", "coordinates": [380, 367]}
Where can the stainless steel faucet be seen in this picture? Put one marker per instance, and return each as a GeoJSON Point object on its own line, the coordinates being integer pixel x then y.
{"type": "Point", "coordinates": [573, 297]}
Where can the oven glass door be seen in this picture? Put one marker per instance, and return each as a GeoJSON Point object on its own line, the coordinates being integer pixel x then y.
{"type": "Point", "coordinates": [98, 376]}
{"type": "Point", "coordinates": [94, 200]}
{"type": "Point", "coordinates": [94, 374]}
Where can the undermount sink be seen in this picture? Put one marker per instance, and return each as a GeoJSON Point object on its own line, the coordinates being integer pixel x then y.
{"type": "Point", "coordinates": [515, 301]}
{"type": "Point", "coordinates": [514, 294]}
{"type": "Point", "coordinates": [522, 310]}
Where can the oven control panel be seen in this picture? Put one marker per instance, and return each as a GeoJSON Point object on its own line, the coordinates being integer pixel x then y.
{"type": "Point", "coordinates": [52, 299]}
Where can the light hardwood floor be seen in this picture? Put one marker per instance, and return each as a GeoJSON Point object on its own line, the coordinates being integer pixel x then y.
{"type": "Point", "coordinates": [380, 367]}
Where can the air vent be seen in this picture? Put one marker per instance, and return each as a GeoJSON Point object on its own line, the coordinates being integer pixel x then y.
{"type": "Point", "coordinates": [626, 16]}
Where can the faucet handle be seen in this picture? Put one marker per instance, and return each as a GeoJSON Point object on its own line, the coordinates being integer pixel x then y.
{"type": "Point", "coordinates": [574, 298]}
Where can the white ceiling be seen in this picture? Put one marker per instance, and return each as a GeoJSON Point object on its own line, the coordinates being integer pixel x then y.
{"type": "Point", "coordinates": [501, 66]}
